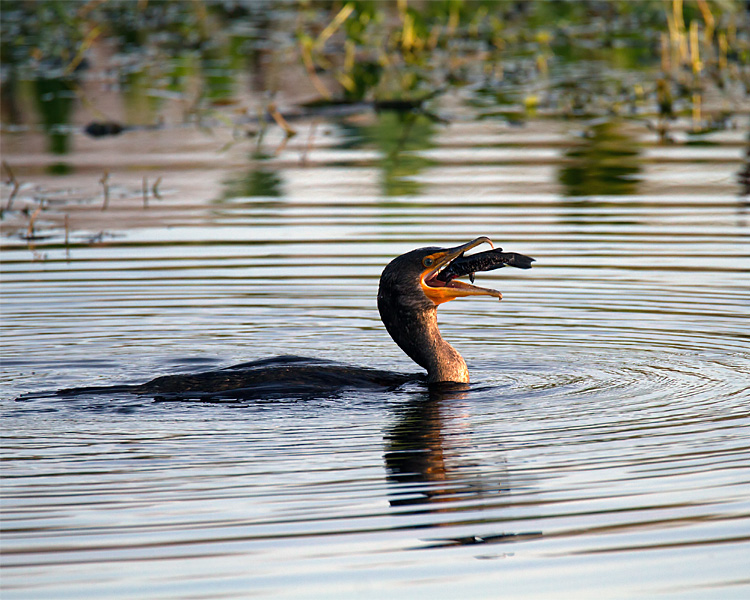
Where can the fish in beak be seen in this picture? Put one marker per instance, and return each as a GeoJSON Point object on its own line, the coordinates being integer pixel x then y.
{"type": "Point", "coordinates": [440, 281]}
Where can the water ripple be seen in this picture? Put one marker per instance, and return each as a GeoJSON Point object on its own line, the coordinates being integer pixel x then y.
{"type": "Point", "coordinates": [604, 434]}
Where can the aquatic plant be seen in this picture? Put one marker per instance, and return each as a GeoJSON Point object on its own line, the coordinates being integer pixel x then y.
{"type": "Point", "coordinates": [194, 50]}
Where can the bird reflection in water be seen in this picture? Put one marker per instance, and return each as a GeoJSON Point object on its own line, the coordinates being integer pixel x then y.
{"type": "Point", "coordinates": [433, 468]}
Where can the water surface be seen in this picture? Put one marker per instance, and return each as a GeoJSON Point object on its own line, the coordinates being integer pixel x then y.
{"type": "Point", "coordinates": [600, 452]}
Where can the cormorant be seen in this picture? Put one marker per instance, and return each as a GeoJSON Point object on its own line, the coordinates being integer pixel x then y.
{"type": "Point", "coordinates": [412, 286]}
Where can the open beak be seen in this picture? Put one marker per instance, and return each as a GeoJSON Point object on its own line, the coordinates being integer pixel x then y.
{"type": "Point", "coordinates": [441, 291]}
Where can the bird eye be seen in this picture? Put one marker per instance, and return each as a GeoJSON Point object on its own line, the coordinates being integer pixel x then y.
{"type": "Point", "coordinates": [427, 262]}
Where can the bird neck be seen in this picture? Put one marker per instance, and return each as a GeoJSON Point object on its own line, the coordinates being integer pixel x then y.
{"type": "Point", "coordinates": [420, 338]}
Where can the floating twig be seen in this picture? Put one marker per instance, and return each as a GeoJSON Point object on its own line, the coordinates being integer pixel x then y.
{"type": "Point", "coordinates": [305, 46]}
{"type": "Point", "coordinates": [11, 181]}
{"type": "Point", "coordinates": [155, 189]}
{"type": "Point", "coordinates": [262, 129]}
{"type": "Point", "coordinates": [32, 219]}
{"type": "Point", "coordinates": [282, 146]}
{"type": "Point", "coordinates": [144, 191]}
{"type": "Point", "coordinates": [105, 184]}
{"type": "Point", "coordinates": [708, 19]}
{"type": "Point", "coordinates": [67, 236]}
{"type": "Point", "coordinates": [280, 120]}
{"type": "Point", "coordinates": [331, 28]}
{"type": "Point", "coordinates": [310, 140]}
{"type": "Point", "coordinates": [83, 47]}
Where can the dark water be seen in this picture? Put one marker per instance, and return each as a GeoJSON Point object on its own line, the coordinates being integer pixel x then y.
{"type": "Point", "coordinates": [602, 450]}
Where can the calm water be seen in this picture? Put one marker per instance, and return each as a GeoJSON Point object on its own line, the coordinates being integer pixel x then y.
{"type": "Point", "coordinates": [605, 433]}
{"type": "Point", "coordinates": [602, 450]}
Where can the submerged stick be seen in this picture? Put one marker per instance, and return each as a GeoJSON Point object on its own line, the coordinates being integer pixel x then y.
{"type": "Point", "coordinates": [12, 181]}
{"type": "Point", "coordinates": [280, 120]}
{"type": "Point", "coordinates": [32, 219]}
{"type": "Point", "coordinates": [310, 140]}
{"type": "Point", "coordinates": [105, 184]}
{"type": "Point", "coordinates": [67, 237]}
{"type": "Point", "coordinates": [155, 189]}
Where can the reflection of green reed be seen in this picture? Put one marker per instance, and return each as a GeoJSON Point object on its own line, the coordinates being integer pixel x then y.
{"type": "Point", "coordinates": [259, 182]}
{"type": "Point", "coordinates": [55, 103]}
{"type": "Point", "coordinates": [405, 50]}
{"type": "Point", "coordinates": [360, 49]}
{"type": "Point", "coordinates": [398, 135]}
{"type": "Point", "coordinates": [606, 162]}
{"type": "Point", "coordinates": [141, 107]}
{"type": "Point", "coordinates": [218, 76]}
{"type": "Point", "coordinates": [53, 99]}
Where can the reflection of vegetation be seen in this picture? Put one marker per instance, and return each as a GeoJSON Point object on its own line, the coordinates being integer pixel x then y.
{"type": "Point", "coordinates": [43, 36]}
{"type": "Point", "coordinates": [140, 107]}
{"type": "Point", "coordinates": [393, 50]}
{"type": "Point", "coordinates": [258, 182]}
{"type": "Point", "coordinates": [406, 51]}
{"type": "Point", "coordinates": [398, 135]}
{"type": "Point", "coordinates": [54, 102]}
{"type": "Point", "coordinates": [218, 78]}
{"type": "Point", "coordinates": [523, 55]}
{"type": "Point", "coordinates": [605, 162]}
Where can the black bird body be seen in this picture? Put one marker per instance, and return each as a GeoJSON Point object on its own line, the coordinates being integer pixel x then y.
{"type": "Point", "coordinates": [411, 288]}
{"type": "Point", "coordinates": [267, 379]}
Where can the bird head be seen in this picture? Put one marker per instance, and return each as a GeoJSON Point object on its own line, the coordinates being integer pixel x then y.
{"type": "Point", "coordinates": [413, 277]}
